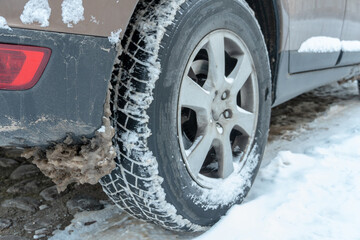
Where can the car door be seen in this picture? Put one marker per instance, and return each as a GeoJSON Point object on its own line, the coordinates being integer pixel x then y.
{"type": "Point", "coordinates": [351, 34]}
{"type": "Point", "coordinates": [313, 24]}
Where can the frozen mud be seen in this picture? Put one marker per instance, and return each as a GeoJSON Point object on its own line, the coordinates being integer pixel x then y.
{"type": "Point", "coordinates": [66, 163]}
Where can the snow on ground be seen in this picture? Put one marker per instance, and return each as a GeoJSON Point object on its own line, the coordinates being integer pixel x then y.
{"type": "Point", "coordinates": [36, 11]}
{"type": "Point", "coordinates": [308, 188]}
{"type": "Point", "coordinates": [323, 44]}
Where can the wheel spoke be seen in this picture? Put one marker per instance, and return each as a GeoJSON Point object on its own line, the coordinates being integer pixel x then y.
{"type": "Point", "coordinates": [216, 52]}
{"type": "Point", "coordinates": [244, 120]}
{"type": "Point", "coordinates": [241, 73]}
{"type": "Point", "coordinates": [193, 96]}
{"type": "Point", "coordinates": [198, 154]}
{"type": "Point", "coordinates": [226, 164]}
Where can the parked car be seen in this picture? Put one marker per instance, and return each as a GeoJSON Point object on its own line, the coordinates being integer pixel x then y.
{"type": "Point", "coordinates": [190, 87]}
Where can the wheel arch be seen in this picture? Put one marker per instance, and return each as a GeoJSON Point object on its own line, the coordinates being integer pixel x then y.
{"type": "Point", "coordinates": [268, 16]}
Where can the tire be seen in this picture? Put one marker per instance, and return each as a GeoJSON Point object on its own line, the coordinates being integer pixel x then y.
{"type": "Point", "coordinates": [153, 179]}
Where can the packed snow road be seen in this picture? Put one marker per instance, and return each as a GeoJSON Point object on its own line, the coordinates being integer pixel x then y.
{"type": "Point", "coordinates": [308, 186]}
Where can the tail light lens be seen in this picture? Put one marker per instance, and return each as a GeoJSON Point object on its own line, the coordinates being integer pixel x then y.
{"type": "Point", "coordinates": [21, 66]}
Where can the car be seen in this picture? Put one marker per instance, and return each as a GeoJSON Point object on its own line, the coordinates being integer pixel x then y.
{"type": "Point", "coordinates": [166, 102]}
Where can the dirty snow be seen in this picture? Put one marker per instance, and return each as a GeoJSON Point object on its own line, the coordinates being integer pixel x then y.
{"type": "Point", "coordinates": [307, 188]}
{"type": "Point", "coordinates": [72, 12]}
{"type": "Point", "coordinates": [3, 24]}
{"type": "Point", "coordinates": [328, 45]}
{"type": "Point", "coordinates": [102, 129]}
{"type": "Point", "coordinates": [67, 163]}
{"type": "Point", "coordinates": [36, 11]}
{"type": "Point", "coordinates": [114, 38]}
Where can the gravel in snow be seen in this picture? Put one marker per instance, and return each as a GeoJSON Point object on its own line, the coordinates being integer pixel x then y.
{"type": "Point", "coordinates": [36, 11]}
{"type": "Point", "coordinates": [72, 12]}
{"type": "Point", "coordinates": [3, 24]}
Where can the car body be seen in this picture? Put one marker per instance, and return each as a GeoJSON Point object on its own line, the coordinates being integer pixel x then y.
{"type": "Point", "coordinates": [308, 43]}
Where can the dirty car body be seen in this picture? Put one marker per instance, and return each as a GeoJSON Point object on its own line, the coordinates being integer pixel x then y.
{"type": "Point", "coordinates": [70, 94]}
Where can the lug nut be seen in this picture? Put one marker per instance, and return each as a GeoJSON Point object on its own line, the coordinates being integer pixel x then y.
{"type": "Point", "coordinates": [228, 114]}
{"type": "Point", "coordinates": [225, 95]}
{"type": "Point", "coordinates": [219, 128]}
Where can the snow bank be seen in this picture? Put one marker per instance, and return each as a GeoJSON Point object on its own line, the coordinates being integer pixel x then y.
{"type": "Point", "coordinates": [328, 45]}
{"type": "Point", "coordinates": [3, 24]}
{"type": "Point", "coordinates": [311, 191]}
{"type": "Point", "coordinates": [36, 11]}
{"type": "Point", "coordinates": [72, 12]}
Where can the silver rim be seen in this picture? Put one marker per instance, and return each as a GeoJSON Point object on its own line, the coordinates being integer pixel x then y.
{"type": "Point", "coordinates": [217, 107]}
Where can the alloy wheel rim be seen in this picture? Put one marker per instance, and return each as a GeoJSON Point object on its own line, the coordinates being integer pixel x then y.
{"type": "Point", "coordinates": [217, 107]}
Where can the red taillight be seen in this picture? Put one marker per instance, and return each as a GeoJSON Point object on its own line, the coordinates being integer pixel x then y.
{"type": "Point", "coordinates": [21, 66]}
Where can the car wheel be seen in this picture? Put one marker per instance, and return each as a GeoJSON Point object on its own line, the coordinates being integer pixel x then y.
{"type": "Point", "coordinates": [191, 106]}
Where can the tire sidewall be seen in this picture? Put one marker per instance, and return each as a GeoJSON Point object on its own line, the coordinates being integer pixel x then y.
{"type": "Point", "coordinates": [193, 22]}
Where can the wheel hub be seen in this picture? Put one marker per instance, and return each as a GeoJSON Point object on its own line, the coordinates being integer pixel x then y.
{"type": "Point", "coordinates": [221, 108]}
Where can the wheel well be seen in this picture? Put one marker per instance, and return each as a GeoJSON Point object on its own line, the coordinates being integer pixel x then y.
{"type": "Point", "coordinates": [266, 13]}
{"type": "Point", "coordinates": [268, 18]}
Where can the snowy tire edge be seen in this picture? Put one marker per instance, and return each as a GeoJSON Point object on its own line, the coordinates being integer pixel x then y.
{"type": "Point", "coordinates": [154, 208]}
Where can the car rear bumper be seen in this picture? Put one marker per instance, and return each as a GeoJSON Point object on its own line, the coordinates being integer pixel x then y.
{"type": "Point", "coordinates": [70, 95]}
